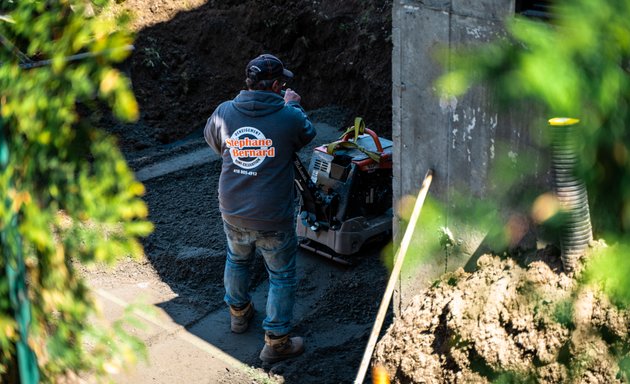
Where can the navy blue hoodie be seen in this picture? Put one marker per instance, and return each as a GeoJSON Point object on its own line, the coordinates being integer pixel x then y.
{"type": "Point", "coordinates": [256, 135]}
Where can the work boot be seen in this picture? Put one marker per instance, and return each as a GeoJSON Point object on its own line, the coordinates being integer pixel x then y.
{"type": "Point", "coordinates": [278, 348]}
{"type": "Point", "coordinates": [239, 318]}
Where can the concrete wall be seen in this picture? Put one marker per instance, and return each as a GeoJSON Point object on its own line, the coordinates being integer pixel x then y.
{"type": "Point", "coordinates": [460, 138]}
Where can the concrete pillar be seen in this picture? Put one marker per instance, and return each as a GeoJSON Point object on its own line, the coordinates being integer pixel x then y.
{"type": "Point", "coordinates": [459, 138]}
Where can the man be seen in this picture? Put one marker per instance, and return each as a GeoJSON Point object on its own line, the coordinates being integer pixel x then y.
{"type": "Point", "coordinates": [256, 135]}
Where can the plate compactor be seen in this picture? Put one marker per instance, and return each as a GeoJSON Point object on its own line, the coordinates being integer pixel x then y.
{"type": "Point", "coordinates": [346, 195]}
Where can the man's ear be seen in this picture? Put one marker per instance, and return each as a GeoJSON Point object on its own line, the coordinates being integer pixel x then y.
{"type": "Point", "coordinates": [276, 86]}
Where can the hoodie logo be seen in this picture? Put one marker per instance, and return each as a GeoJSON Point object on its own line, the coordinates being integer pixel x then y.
{"type": "Point", "coordinates": [249, 147]}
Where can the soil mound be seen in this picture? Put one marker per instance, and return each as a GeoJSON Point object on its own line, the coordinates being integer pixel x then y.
{"type": "Point", "coordinates": [525, 323]}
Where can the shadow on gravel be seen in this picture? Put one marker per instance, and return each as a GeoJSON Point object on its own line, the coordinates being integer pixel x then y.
{"type": "Point", "coordinates": [336, 305]}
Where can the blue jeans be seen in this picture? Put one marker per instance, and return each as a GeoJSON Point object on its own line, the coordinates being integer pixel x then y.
{"type": "Point", "coordinates": [279, 250]}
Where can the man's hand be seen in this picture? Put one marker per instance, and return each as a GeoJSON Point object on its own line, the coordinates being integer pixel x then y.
{"type": "Point", "coordinates": [291, 95]}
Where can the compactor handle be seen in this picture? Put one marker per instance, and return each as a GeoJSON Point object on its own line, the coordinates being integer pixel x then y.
{"type": "Point", "coordinates": [377, 142]}
{"type": "Point", "coordinates": [358, 129]}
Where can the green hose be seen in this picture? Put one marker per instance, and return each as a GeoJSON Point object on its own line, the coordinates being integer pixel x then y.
{"type": "Point", "coordinates": [16, 274]}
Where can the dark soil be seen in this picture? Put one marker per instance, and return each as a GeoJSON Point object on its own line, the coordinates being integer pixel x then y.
{"type": "Point", "coordinates": [190, 57]}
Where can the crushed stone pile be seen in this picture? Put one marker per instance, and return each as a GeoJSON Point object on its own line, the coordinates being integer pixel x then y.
{"type": "Point", "coordinates": [524, 322]}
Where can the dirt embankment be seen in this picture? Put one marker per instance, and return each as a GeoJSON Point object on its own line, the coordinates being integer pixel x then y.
{"type": "Point", "coordinates": [190, 56]}
{"type": "Point", "coordinates": [527, 323]}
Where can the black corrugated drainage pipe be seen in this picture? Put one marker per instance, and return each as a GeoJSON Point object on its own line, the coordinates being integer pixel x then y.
{"type": "Point", "coordinates": [576, 232]}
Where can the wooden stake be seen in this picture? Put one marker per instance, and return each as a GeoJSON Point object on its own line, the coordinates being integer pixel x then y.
{"type": "Point", "coordinates": [399, 258]}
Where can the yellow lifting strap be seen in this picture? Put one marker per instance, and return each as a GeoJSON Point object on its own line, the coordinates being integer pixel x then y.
{"type": "Point", "coordinates": [358, 129]}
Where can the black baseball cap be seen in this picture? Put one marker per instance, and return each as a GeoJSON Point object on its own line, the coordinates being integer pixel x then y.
{"type": "Point", "coordinates": [266, 67]}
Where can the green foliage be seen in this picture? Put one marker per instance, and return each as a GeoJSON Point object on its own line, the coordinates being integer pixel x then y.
{"type": "Point", "coordinates": [624, 369]}
{"type": "Point", "coordinates": [426, 235]}
{"type": "Point", "coordinates": [563, 313]}
{"type": "Point", "coordinates": [66, 182]}
{"type": "Point", "coordinates": [610, 267]}
{"type": "Point", "coordinates": [513, 378]}
{"type": "Point", "coordinates": [578, 65]}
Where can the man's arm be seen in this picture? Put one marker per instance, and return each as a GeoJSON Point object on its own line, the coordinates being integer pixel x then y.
{"type": "Point", "coordinates": [307, 132]}
{"type": "Point", "coordinates": [211, 133]}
